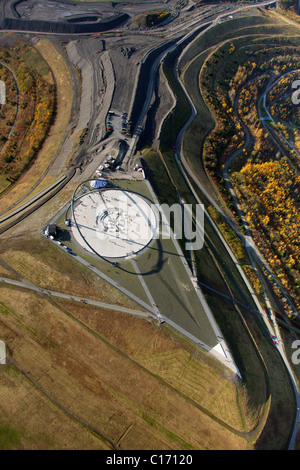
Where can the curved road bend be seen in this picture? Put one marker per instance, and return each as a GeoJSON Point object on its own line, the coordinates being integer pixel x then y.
{"type": "Point", "coordinates": [148, 99]}
{"type": "Point", "coordinates": [250, 246]}
{"type": "Point", "coordinates": [40, 202]}
{"type": "Point", "coordinates": [252, 249]}
{"type": "Point", "coordinates": [49, 166]}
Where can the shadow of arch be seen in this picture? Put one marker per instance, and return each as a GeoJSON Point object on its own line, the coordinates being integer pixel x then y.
{"type": "Point", "coordinates": [151, 246]}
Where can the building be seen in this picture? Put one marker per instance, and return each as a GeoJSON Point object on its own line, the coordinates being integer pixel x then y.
{"type": "Point", "coordinates": [51, 231]}
{"type": "Point", "coordinates": [96, 184]}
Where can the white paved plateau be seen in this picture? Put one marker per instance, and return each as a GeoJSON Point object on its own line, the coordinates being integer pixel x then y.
{"type": "Point", "coordinates": [115, 223]}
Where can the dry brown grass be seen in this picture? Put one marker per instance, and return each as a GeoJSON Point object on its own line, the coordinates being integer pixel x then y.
{"type": "Point", "coordinates": [30, 421]}
{"type": "Point", "coordinates": [163, 354]}
{"type": "Point", "coordinates": [97, 372]}
{"type": "Point", "coordinates": [47, 266]}
{"type": "Point", "coordinates": [6, 273]}
{"type": "Point", "coordinates": [128, 377]}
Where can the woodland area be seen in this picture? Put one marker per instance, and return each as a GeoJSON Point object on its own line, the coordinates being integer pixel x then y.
{"type": "Point", "coordinates": [265, 173]}
{"type": "Point", "coordinates": [29, 112]}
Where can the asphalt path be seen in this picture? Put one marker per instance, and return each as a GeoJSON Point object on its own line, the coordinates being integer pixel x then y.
{"type": "Point", "coordinates": [184, 167]}
{"type": "Point", "coordinates": [41, 200]}
{"type": "Point", "coordinates": [177, 154]}
{"type": "Point", "coordinates": [249, 244]}
{"type": "Point", "coordinates": [108, 306]}
{"type": "Point", "coordinates": [256, 258]}
{"type": "Point", "coordinates": [226, 357]}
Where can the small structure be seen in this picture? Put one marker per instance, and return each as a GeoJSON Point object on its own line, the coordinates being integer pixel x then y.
{"type": "Point", "coordinates": [99, 183]}
{"type": "Point", "coordinates": [51, 230]}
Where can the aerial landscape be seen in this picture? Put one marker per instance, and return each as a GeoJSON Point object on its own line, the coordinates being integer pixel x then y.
{"type": "Point", "coordinates": [149, 226]}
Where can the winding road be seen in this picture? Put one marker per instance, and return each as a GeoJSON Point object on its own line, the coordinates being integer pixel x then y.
{"type": "Point", "coordinates": [252, 250]}
{"type": "Point", "coordinates": [187, 174]}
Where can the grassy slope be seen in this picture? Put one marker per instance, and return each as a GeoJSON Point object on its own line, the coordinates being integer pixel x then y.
{"type": "Point", "coordinates": [156, 397]}
{"type": "Point", "coordinates": [122, 375]}
{"type": "Point", "coordinates": [282, 396]}
{"type": "Point", "coordinates": [109, 367]}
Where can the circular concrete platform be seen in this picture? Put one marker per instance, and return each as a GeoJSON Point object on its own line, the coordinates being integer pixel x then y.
{"type": "Point", "coordinates": [113, 223]}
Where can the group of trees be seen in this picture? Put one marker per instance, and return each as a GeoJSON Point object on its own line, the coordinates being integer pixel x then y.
{"type": "Point", "coordinates": [156, 17]}
{"type": "Point", "coordinates": [248, 104]}
{"type": "Point", "coordinates": [9, 109]}
{"type": "Point", "coordinates": [291, 5]}
{"type": "Point", "coordinates": [267, 185]}
{"type": "Point", "coordinates": [150, 19]}
{"type": "Point", "coordinates": [270, 195]}
{"type": "Point", "coordinates": [34, 117]}
{"type": "Point", "coordinates": [279, 100]}
{"type": "Point", "coordinates": [227, 133]}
